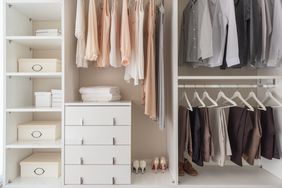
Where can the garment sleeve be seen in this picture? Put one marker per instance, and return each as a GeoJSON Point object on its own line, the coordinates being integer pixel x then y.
{"type": "Point", "coordinates": [125, 43]}
{"type": "Point", "coordinates": [182, 42]}
{"type": "Point", "coordinates": [79, 19]}
{"type": "Point", "coordinates": [205, 31]}
{"type": "Point", "coordinates": [232, 48]}
{"type": "Point", "coordinates": [275, 52]}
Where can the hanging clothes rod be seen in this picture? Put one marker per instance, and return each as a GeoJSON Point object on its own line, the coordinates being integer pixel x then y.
{"type": "Point", "coordinates": [229, 77]}
{"type": "Point", "coordinates": [228, 86]}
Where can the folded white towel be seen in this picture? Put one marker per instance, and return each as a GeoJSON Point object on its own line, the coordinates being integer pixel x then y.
{"type": "Point", "coordinates": [99, 90]}
{"type": "Point", "coordinates": [100, 98]}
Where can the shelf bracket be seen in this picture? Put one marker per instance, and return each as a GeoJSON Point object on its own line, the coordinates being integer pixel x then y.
{"type": "Point", "coordinates": [10, 6]}
{"type": "Point", "coordinates": [30, 20]}
{"type": "Point", "coordinates": [10, 77]}
{"type": "Point", "coordinates": [274, 82]}
{"type": "Point", "coordinates": [10, 41]}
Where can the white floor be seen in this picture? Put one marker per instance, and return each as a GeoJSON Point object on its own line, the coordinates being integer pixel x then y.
{"type": "Point", "coordinates": [232, 175]}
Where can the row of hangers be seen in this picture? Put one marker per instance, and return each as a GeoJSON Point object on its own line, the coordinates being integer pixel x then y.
{"type": "Point", "coordinates": [229, 102]}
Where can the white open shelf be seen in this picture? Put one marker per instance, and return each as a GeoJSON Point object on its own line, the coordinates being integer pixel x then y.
{"type": "Point", "coordinates": [40, 9]}
{"type": "Point", "coordinates": [214, 176]}
{"type": "Point", "coordinates": [35, 74]}
{"type": "Point", "coordinates": [35, 182]}
{"type": "Point", "coordinates": [35, 144]}
{"type": "Point", "coordinates": [33, 109]}
{"type": "Point", "coordinates": [37, 42]}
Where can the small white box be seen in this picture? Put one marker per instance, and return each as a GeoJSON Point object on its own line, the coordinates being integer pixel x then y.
{"type": "Point", "coordinates": [39, 65]}
{"type": "Point", "coordinates": [39, 131]}
{"type": "Point", "coordinates": [42, 99]}
{"type": "Point", "coordinates": [41, 165]}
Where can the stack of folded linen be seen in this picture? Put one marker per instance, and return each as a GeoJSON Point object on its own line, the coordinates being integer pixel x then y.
{"type": "Point", "coordinates": [57, 98]}
{"type": "Point", "coordinates": [100, 94]}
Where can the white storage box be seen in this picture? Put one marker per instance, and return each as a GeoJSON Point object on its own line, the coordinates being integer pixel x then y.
{"type": "Point", "coordinates": [39, 131]}
{"type": "Point", "coordinates": [42, 99]}
{"type": "Point", "coordinates": [41, 165]}
{"type": "Point", "coordinates": [39, 65]}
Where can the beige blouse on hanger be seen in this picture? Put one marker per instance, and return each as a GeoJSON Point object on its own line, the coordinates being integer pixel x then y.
{"type": "Point", "coordinates": [104, 42]}
{"type": "Point", "coordinates": [92, 46]}
{"type": "Point", "coordinates": [125, 44]}
{"type": "Point", "coordinates": [150, 76]}
{"type": "Point", "coordinates": [80, 34]}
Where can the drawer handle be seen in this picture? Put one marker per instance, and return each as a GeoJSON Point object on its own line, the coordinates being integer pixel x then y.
{"type": "Point", "coordinates": [114, 161]}
{"type": "Point", "coordinates": [114, 141]}
{"type": "Point", "coordinates": [82, 141]}
{"type": "Point", "coordinates": [37, 68]}
{"type": "Point", "coordinates": [114, 121]}
{"type": "Point", "coordinates": [82, 121]}
{"type": "Point", "coordinates": [81, 180]}
{"type": "Point", "coordinates": [113, 181]}
{"type": "Point", "coordinates": [81, 161]}
{"type": "Point", "coordinates": [36, 134]}
{"type": "Point", "coordinates": [39, 171]}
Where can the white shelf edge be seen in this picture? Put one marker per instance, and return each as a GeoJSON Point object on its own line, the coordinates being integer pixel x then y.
{"type": "Point", "coordinates": [33, 37]}
{"type": "Point", "coordinates": [113, 103]}
{"type": "Point", "coordinates": [32, 75]}
{"type": "Point", "coordinates": [228, 77]}
{"type": "Point", "coordinates": [33, 109]}
{"type": "Point", "coordinates": [35, 182]}
{"type": "Point", "coordinates": [33, 144]}
{"type": "Point", "coordinates": [32, 1]}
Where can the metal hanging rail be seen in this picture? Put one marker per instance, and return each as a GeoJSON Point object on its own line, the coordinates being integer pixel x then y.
{"type": "Point", "coordinates": [229, 77]}
{"type": "Point", "coordinates": [215, 86]}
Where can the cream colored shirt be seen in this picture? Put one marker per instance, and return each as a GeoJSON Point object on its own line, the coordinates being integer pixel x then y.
{"type": "Point", "coordinates": [92, 45]}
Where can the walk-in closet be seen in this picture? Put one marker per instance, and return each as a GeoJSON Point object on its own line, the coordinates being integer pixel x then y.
{"type": "Point", "coordinates": [55, 136]}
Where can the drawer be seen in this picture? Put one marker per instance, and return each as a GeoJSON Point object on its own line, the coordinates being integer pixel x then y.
{"type": "Point", "coordinates": [98, 155]}
{"type": "Point", "coordinates": [97, 135]}
{"type": "Point", "coordinates": [97, 175]}
{"type": "Point", "coordinates": [98, 115]}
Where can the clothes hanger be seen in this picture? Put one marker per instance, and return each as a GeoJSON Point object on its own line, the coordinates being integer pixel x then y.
{"type": "Point", "coordinates": [238, 95]}
{"type": "Point", "coordinates": [223, 96]}
{"type": "Point", "coordinates": [197, 96]}
{"type": "Point", "coordinates": [184, 96]}
{"type": "Point", "coordinates": [269, 96]}
{"type": "Point", "coordinates": [207, 96]}
{"type": "Point", "coordinates": [252, 95]}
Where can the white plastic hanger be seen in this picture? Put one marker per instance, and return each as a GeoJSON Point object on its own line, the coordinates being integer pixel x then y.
{"type": "Point", "coordinates": [252, 95]}
{"type": "Point", "coordinates": [238, 95]}
{"type": "Point", "coordinates": [269, 96]}
{"type": "Point", "coordinates": [197, 96]}
{"type": "Point", "coordinates": [207, 96]}
{"type": "Point", "coordinates": [184, 96]}
{"type": "Point", "coordinates": [223, 96]}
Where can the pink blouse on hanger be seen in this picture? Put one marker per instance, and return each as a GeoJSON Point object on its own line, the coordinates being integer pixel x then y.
{"type": "Point", "coordinates": [125, 44]}
{"type": "Point", "coordinates": [104, 42]}
{"type": "Point", "coordinates": [92, 46]}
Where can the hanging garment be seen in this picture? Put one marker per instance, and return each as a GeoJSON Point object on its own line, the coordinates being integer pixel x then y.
{"type": "Point", "coordinates": [269, 19]}
{"type": "Point", "coordinates": [150, 77]}
{"type": "Point", "coordinates": [125, 44]}
{"type": "Point", "coordinates": [92, 45]}
{"type": "Point", "coordinates": [183, 114]}
{"type": "Point", "coordinates": [252, 148]}
{"type": "Point", "coordinates": [160, 65]}
{"type": "Point", "coordinates": [197, 135]}
{"type": "Point", "coordinates": [80, 34]}
{"type": "Point", "coordinates": [196, 35]}
{"type": "Point", "coordinates": [220, 140]}
{"type": "Point", "coordinates": [135, 70]}
{"type": "Point", "coordinates": [115, 58]}
{"type": "Point", "coordinates": [278, 127]}
{"type": "Point", "coordinates": [206, 134]}
{"type": "Point", "coordinates": [275, 55]}
{"type": "Point", "coordinates": [226, 10]}
{"type": "Point", "coordinates": [242, 13]}
{"type": "Point", "coordinates": [269, 149]}
{"type": "Point", "coordinates": [104, 42]}
{"type": "Point", "coordinates": [239, 128]}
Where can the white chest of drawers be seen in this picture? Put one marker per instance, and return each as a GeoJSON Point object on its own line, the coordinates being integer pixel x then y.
{"type": "Point", "coordinates": [98, 144]}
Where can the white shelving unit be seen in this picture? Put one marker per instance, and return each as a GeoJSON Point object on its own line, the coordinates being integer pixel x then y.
{"type": "Point", "coordinates": [21, 19]}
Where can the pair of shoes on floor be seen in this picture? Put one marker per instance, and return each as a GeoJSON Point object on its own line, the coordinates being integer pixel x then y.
{"type": "Point", "coordinates": [139, 166]}
{"type": "Point", "coordinates": [186, 167]}
{"type": "Point", "coordinates": [159, 163]}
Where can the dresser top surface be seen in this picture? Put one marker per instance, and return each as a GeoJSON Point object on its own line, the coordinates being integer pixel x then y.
{"type": "Point", "coordinates": [114, 103]}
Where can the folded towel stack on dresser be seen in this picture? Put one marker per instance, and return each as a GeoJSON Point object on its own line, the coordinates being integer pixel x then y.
{"type": "Point", "coordinates": [100, 94]}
